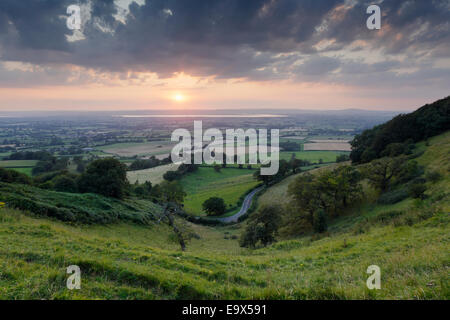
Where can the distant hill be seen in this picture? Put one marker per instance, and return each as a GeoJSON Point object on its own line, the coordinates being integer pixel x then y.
{"type": "Point", "coordinates": [425, 122]}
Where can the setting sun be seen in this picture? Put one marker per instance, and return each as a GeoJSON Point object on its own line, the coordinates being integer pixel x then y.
{"type": "Point", "coordinates": [179, 97]}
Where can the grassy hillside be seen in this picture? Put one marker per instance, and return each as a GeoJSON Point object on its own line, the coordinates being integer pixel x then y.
{"type": "Point", "coordinates": [77, 208]}
{"type": "Point", "coordinates": [313, 156]}
{"type": "Point", "coordinates": [408, 240]}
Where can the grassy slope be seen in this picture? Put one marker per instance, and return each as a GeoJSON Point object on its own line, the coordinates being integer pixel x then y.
{"type": "Point", "coordinates": [77, 208]}
{"type": "Point", "coordinates": [229, 184]}
{"type": "Point", "coordinates": [312, 156]}
{"type": "Point", "coordinates": [130, 261]}
{"type": "Point", "coordinates": [154, 175]}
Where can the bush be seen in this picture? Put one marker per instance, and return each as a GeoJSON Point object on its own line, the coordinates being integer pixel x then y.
{"type": "Point", "coordinates": [433, 176]}
{"type": "Point", "coordinates": [214, 206]}
{"type": "Point", "coordinates": [417, 190]}
{"type": "Point", "coordinates": [394, 196]}
{"type": "Point", "coordinates": [262, 227]}
{"type": "Point", "coordinates": [319, 221]}
{"type": "Point", "coordinates": [107, 177]}
{"type": "Point", "coordinates": [12, 176]}
{"type": "Point", "coordinates": [342, 158]}
{"type": "Point", "coordinates": [64, 184]}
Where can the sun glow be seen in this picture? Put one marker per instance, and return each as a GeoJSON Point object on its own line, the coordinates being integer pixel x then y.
{"type": "Point", "coordinates": [178, 97]}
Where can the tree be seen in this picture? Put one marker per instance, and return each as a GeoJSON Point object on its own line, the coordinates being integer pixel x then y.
{"type": "Point", "coordinates": [214, 206]}
{"type": "Point", "coordinates": [342, 158]}
{"type": "Point", "coordinates": [320, 222]}
{"type": "Point", "coordinates": [425, 122]}
{"type": "Point", "coordinates": [171, 175]}
{"type": "Point", "coordinates": [262, 227]}
{"type": "Point", "coordinates": [64, 183]}
{"type": "Point", "coordinates": [382, 171]}
{"type": "Point", "coordinates": [172, 194]}
{"type": "Point", "coordinates": [143, 190]}
{"type": "Point", "coordinates": [417, 190]}
{"type": "Point", "coordinates": [107, 177]}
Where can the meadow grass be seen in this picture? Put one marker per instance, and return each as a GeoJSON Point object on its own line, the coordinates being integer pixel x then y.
{"type": "Point", "coordinates": [136, 262]}
{"type": "Point", "coordinates": [312, 156]}
{"type": "Point", "coordinates": [18, 163]}
{"type": "Point", "coordinates": [139, 149]}
{"type": "Point", "coordinates": [408, 240]}
{"type": "Point", "coordinates": [230, 184]}
{"type": "Point", "coordinates": [27, 171]}
{"type": "Point", "coordinates": [154, 175]}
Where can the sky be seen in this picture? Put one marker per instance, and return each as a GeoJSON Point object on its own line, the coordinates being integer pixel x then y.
{"type": "Point", "coordinates": [223, 54]}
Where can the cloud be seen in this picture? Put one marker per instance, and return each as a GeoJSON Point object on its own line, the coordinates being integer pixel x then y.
{"type": "Point", "coordinates": [254, 39]}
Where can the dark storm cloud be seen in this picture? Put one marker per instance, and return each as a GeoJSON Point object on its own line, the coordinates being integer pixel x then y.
{"type": "Point", "coordinates": [258, 39]}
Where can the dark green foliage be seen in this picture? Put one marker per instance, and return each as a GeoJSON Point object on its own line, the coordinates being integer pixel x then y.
{"type": "Point", "coordinates": [52, 164]}
{"type": "Point", "coordinates": [393, 196]}
{"type": "Point", "coordinates": [182, 170]}
{"type": "Point", "coordinates": [433, 176]}
{"type": "Point", "coordinates": [143, 190]}
{"type": "Point", "coordinates": [320, 221]}
{"type": "Point", "coordinates": [171, 175]}
{"type": "Point", "coordinates": [214, 206]}
{"type": "Point", "coordinates": [171, 192]}
{"type": "Point", "coordinates": [389, 139]}
{"type": "Point", "coordinates": [327, 194]}
{"type": "Point", "coordinates": [76, 208]}
{"type": "Point", "coordinates": [107, 177]}
{"type": "Point", "coordinates": [417, 190]}
{"type": "Point", "coordinates": [141, 164]}
{"type": "Point", "coordinates": [262, 227]}
{"type": "Point", "coordinates": [382, 172]}
{"type": "Point", "coordinates": [290, 146]}
{"type": "Point", "coordinates": [12, 176]}
{"type": "Point", "coordinates": [283, 170]}
{"type": "Point", "coordinates": [30, 155]}
{"type": "Point", "coordinates": [65, 183]}
{"type": "Point", "coordinates": [342, 158]}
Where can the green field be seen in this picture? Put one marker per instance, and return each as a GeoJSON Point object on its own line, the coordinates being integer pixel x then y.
{"type": "Point", "coordinates": [229, 184]}
{"type": "Point", "coordinates": [152, 148]}
{"type": "Point", "coordinates": [27, 171]}
{"type": "Point", "coordinates": [312, 156]}
{"type": "Point", "coordinates": [17, 163]}
{"type": "Point", "coordinates": [23, 166]}
{"type": "Point", "coordinates": [143, 261]}
{"type": "Point", "coordinates": [154, 175]}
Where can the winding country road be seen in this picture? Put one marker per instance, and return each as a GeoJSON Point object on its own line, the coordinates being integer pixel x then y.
{"type": "Point", "coordinates": [245, 206]}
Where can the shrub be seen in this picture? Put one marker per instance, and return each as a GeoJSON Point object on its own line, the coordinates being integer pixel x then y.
{"type": "Point", "coordinates": [214, 206]}
{"type": "Point", "coordinates": [394, 196]}
{"type": "Point", "coordinates": [262, 227]}
{"type": "Point", "coordinates": [433, 176]}
{"type": "Point", "coordinates": [319, 221]}
{"type": "Point", "coordinates": [417, 190]}
{"type": "Point", "coordinates": [107, 177]}
{"type": "Point", "coordinates": [342, 158]}
{"type": "Point", "coordinates": [12, 176]}
{"type": "Point", "coordinates": [64, 184]}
